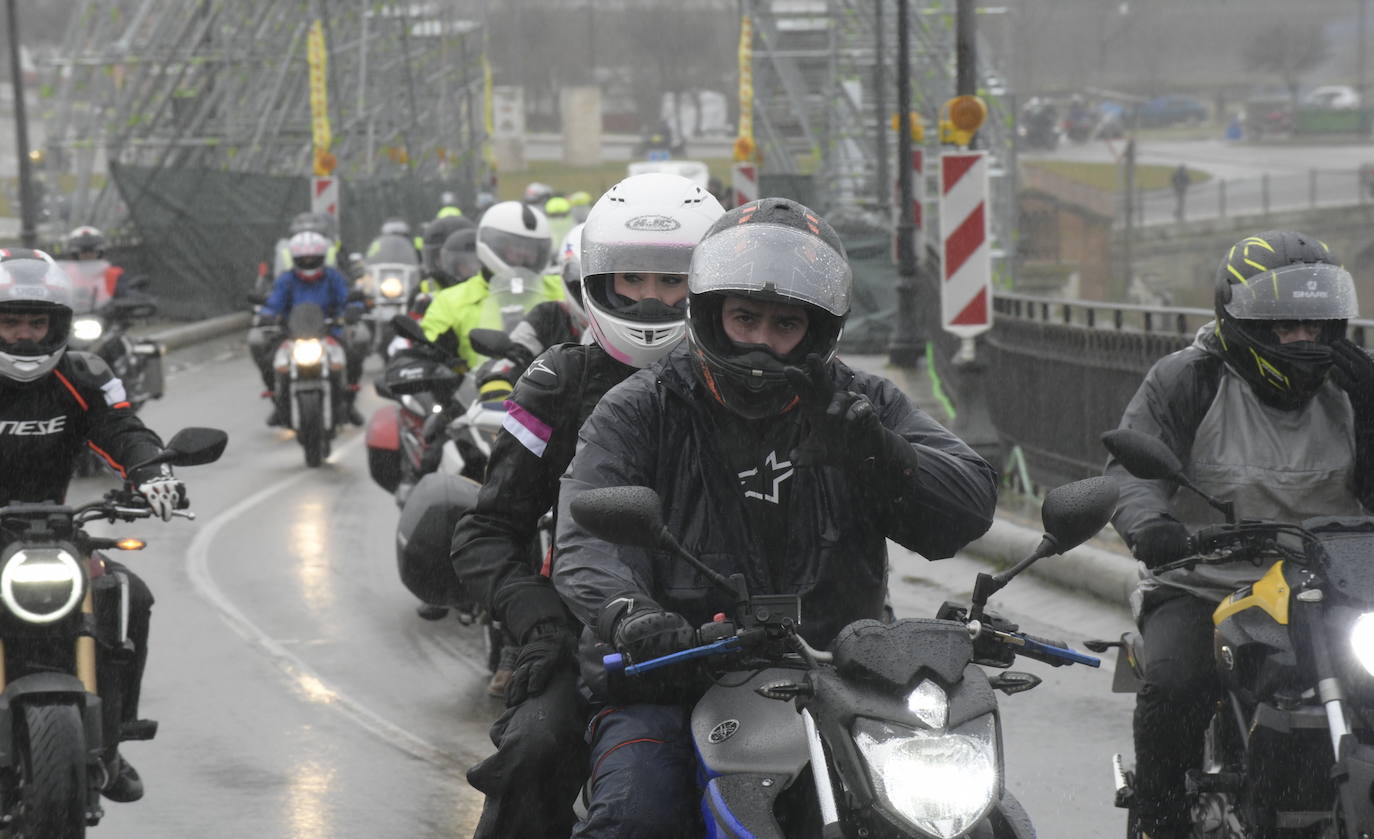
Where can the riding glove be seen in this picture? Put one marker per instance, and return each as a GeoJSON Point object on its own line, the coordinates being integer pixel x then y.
{"type": "Point", "coordinates": [1161, 541]}
{"type": "Point", "coordinates": [548, 647]}
{"type": "Point", "coordinates": [843, 427]}
{"type": "Point", "coordinates": [1353, 370]}
{"type": "Point", "coordinates": [642, 630]}
{"type": "Point", "coordinates": [164, 494]}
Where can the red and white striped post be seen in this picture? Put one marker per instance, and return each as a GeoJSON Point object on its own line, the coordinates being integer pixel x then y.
{"type": "Point", "coordinates": [324, 195]}
{"type": "Point", "coordinates": [745, 182]}
{"type": "Point", "coordinates": [966, 264]}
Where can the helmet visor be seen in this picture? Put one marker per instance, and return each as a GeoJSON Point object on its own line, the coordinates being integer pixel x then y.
{"type": "Point", "coordinates": [1303, 291]}
{"type": "Point", "coordinates": [774, 260]}
{"type": "Point", "coordinates": [607, 257]}
{"type": "Point", "coordinates": [516, 251]}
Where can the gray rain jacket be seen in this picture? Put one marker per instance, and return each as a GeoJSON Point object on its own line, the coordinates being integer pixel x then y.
{"type": "Point", "coordinates": [656, 429]}
{"type": "Point", "coordinates": [1274, 464]}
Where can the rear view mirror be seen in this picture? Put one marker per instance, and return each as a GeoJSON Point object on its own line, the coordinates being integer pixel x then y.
{"type": "Point", "coordinates": [1072, 513]}
{"type": "Point", "coordinates": [630, 515]}
{"type": "Point", "coordinates": [1143, 456]}
{"type": "Point", "coordinates": [490, 342]}
{"type": "Point", "coordinates": [409, 328]}
{"type": "Point", "coordinates": [196, 446]}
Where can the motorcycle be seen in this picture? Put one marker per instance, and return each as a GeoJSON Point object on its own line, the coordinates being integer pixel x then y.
{"type": "Point", "coordinates": [1289, 750]}
{"type": "Point", "coordinates": [390, 280]}
{"type": "Point", "coordinates": [894, 733]}
{"type": "Point", "coordinates": [310, 370]}
{"type": "Point", "coordinates": [63, 618]}
{"type": "Point", "coordinates": [137, 362]}
{"type": "Point", "coordinates": [1039, 125]}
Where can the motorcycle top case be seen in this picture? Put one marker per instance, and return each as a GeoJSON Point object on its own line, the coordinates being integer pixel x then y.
{"type": "Point", "coordinates": [424, 533]}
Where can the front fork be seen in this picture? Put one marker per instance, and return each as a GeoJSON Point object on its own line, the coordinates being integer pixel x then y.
{"type": "Point", "coordinates": [1353, 770]}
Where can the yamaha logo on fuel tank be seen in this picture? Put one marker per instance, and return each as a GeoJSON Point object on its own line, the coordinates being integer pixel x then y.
{"type": "Point", "coordinates": [653, 224]}
{"type": "Point", "coordinates": [723, 731]}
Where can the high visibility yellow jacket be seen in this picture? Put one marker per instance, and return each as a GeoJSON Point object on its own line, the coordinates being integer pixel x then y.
{"type": "Point", "coordinates": [460, 308]}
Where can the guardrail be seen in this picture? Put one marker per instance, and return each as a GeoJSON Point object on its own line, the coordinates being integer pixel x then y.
{"type": "Point", "coordinates": [1060, 372]}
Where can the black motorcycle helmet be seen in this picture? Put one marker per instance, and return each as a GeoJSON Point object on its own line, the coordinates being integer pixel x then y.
{"type": "Point", "coordinates": [458, 260]}
{"type": "Point", "coordinates": [777, 250]}
{"type": "Point", "coordinates": [1273, 277]}
{"type": "Point", "coordinates": [436, 233]}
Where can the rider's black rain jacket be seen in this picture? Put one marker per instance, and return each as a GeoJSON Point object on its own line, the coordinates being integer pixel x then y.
{"type": "Point", "coordinates": [45, 423]}
{"type": "Point", "coordinates": [657, 430]}
{"type": "Point", "coordinates": [491, 549]}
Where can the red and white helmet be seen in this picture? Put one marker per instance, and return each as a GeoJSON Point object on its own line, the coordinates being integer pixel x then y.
{"type": "Point", "coordinates": [308, 251]}
{"type": "Point", "coordinates": [645, 224]}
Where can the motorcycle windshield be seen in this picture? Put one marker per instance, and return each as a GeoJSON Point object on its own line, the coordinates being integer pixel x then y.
{"type": "Point", "coordinates": [390, 281]}
{"type": "Point", "coordinates": [305, 321]}
{"type": "Point", "coordinates": [1348, 544]}
{"type": "Point", "coordinates": [90, 290]}
{"type": "Point", "coordinates": [510, 294]}
{"type": "Point", "coordinates": [393, 249]}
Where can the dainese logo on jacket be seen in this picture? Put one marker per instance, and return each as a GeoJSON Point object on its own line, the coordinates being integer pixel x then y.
{"type": "Point", "coordinates": [34, 428]}
{"type": "Point", "coordinates": [653, 224]}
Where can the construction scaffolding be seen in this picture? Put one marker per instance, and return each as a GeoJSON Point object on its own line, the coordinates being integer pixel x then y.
{"type": "Point", "coordinates": [178, 117]}
{"type": "Point", "coordinates": [825, 89]}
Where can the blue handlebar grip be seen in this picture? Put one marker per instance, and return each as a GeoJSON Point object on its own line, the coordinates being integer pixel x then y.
{"type": "Point", "coordinates": [613, 662]}
{"type": "Point", "coordinates": [1062, 652]}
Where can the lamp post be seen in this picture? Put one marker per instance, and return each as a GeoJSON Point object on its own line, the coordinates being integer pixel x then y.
{"type": "Point", "coordinates": [27, 232]}
{"type": "Point", "coordinates": [908, 342]}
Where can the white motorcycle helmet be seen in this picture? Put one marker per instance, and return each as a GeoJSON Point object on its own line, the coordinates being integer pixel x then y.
{"type": "Point", "coordinates": [511, 236]}
{"type": "Point", "coordinates": [31, 283]}
{"type": "Point", "coordinates": [646, 224]}
{"type": "Point", "coordinates": [570, 265]}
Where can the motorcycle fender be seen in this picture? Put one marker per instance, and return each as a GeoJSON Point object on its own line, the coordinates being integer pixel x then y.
{"type": "Point", "coordinates": [37, 688]}
{"type": "Point", "coordinates": [735, 731]}
{"type": "Point", "coordinates": [1009, 820]}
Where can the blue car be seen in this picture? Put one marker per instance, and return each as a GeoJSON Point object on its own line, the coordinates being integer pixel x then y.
{"type": "Point", "coordinates": [1171, 109]}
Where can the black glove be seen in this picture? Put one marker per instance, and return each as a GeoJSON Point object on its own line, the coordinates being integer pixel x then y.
{"type": "Point", "coordinates": [842, 426]}
{"type": "Point", "coordinates": [1353, 371]}
{"type": "Point", "coordinates": [352, 315]}
{"type": "Point", "coordinates": [548, 647]}
{"type": "Point", "coordinates": [1161, 541]}
{"type": "Point", "coordinates": [646, 631]}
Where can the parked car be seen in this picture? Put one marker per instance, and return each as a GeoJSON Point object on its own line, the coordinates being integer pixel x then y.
{"type": "Point", "coordinates": [1171, 109]}
{"type": "Point", "coordinates": [1335, 97]}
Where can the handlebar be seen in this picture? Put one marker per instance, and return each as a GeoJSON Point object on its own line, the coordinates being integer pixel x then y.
{"type": "Point", "coordinates": [1053, 653]}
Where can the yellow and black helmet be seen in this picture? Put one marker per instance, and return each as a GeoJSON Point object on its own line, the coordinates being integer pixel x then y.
{"type": "Point", "coordinates": [1275, 277]}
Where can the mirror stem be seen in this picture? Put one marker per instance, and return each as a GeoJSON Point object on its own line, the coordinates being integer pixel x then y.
{"type": "Point", "coordinates": [667, 540]}
{"type": "Point", "coordinates": [1226, 508]}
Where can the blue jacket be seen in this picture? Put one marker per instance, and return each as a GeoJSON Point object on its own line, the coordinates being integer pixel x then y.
{"type": "Point", "coordinates": [329, 292]}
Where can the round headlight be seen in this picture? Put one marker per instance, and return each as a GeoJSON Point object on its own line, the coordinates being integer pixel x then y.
{"type": "Point", "coordinates": [87, 329]}
{"type": "Point", "coordinates": [307, 353]}
{"type": "Point", "coordinates": [392, 286]}
{"type": "Point", "coordinates": [1362, 641]}
{"type": "Point", "coordinates": [41, 585]}
{"type": "Point", "coordinates": [942, 782]}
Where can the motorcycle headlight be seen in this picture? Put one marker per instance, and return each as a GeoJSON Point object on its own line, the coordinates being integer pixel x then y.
{"type": "Point", "coordinates": [942, 782]}
{"type": "Point", "coordinates": [41, 585]}
{"type": "Point", "coordinates": [87, 329]}
{"type": "Point", "coordinates": [392, 287]}
{"type": "Point", "coordinates": [1362, 641]}
{"type": "Point", "coordinates": [307, 353]}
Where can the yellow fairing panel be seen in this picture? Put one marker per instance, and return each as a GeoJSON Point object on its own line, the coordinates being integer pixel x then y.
{"type": "Point", "coordinates": [1269, 593]}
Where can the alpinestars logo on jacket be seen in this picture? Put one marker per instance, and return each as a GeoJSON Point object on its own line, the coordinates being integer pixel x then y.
{"type": "Point", "coordinates": [765, 483]}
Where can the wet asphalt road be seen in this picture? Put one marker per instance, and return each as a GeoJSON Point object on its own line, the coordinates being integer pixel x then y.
{"type": "Point", "coordinates": [299, 695]}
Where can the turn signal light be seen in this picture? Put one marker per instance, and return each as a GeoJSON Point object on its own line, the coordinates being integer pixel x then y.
{"type": "Point", "coordinates": [131, 544]}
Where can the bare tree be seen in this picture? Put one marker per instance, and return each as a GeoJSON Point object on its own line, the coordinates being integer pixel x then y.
{"type": "Point", "coordinates": [1289, 50]}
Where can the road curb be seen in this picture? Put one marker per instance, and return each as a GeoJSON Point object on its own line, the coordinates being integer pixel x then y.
{"type": "Point", "coordinates": [1106, 574]}
{"type": "Point", "coordinates": [200, 331]}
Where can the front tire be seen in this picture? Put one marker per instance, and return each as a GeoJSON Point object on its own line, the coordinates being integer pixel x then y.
{"type": "Point", "coordinates": [52, 781]}
{"type": "Point", "coordinates": [311, 431]}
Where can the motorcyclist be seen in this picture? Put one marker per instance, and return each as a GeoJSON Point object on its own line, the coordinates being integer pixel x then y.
{"type": "Point", "coordinates": [581, 202]}
{"type": "Point", "coordinates": [311, 281]}
{"type": "Point", "coordinates": [640, 277]}
{"type": "Point", "coordinates": [773, 460]}
{"type": "Point", "coordinates": [448, 206]}
{"type": "Point", "coordinates": [537, 194]}
{"type": "Point", "coordinates": [512, 241]}
{"type": "Point", "coordinates": [324, 224]}
{"type": "Point", "coordinates": [86, 244]}
{"type": "Point", "coordinates": [436, 233]}
{"type": "Point", "coordinates": [56, 403]}
{"type": "Point", "coordinates": [558, 210]}
{"type": "Point", "coordinates": [1270, 407]}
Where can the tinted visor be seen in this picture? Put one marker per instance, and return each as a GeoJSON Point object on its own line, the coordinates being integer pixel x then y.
{"type": "Point", "coordinates": [1305, 291]}
{"type": "Point", "coordinates": [773, 261]}
{"type": "Point", "coordinates": [517, 251]}
{"type": "Point", "coordinates": [308, 263]}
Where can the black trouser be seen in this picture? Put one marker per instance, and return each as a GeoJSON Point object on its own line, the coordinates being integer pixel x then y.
{"type": "Point", "coordinates": [539, 765]}
{"type": "Point", "coordinates": [1175, 703]}
{"type": "Point", "coordinates": [119, 670]}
